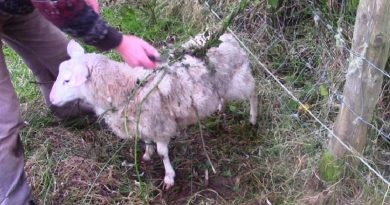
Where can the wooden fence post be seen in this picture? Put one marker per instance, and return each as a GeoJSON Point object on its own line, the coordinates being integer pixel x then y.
{"type": "Point", "coordinates": [371, 40]}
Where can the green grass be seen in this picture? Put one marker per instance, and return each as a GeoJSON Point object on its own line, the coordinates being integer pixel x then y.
{"type": "Point", "coordinates": [34, 112]}
{"type": "Point", "coordinates": [329, 168]}
{"type": "Point", "coordinates": [22, 77]}
{"type": "Point", "coordinates": [277, 162]}
{"type": "Point", "coordinates": [131, 20]}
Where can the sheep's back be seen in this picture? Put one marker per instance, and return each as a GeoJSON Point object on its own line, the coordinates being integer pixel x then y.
{"type": "Point", "coordinates": [233, 77]}
{"type": "Point", "coordinates": [191, 91]}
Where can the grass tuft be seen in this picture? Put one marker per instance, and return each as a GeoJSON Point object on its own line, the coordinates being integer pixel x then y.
{"type": "Point", "coordinates": [281, 161]}
{"type": "Point", "coordinates": [330, 169]}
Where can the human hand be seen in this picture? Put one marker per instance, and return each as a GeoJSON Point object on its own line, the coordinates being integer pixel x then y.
{"type": "Point", "coordinates": [137, 52]}
{"type": "Point", "coordinates": [94, 4]}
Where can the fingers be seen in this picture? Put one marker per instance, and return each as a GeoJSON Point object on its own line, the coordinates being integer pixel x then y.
{"type": "Point", "coordinates": [141, 59]}
{"type": "Point", "coordinates": [147, 62]}
{"type": "Point", "coordinates": [150, 57]}
{"type": "Point", "coordinates": [153, 56]}
{"type": "Point", "coordinates": [152, 53]}
{"type": "Point", "coordinates": [137, 52]}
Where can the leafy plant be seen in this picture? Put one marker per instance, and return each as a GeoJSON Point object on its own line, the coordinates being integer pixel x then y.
{"type": "Point", "coordinates": [330, 169]}
{"type": "Point", "coordinates": [273, 4]}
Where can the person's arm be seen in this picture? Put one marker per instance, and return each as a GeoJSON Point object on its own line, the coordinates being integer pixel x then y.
{"type": "Point", "coordinates": [79, 20]}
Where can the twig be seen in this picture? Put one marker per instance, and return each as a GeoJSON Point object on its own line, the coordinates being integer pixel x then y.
{"type": "Point", "coordinates": [203, 143]}
{"type": "Point", "coordinates": [350, 149]}
{"type": "Point", "coordinates": [387, 192]}
{"type": "Point", "coordinates": [101, 171]}
{"type": "Point", "coordinates": [139, 112]}
{"type": "Point", "coordinates": [131, 96]}
{"type": "Point", "coordinates": [214, 37]}
{"type": "Point", "coordinates": [135, 150]}
{"type": "Point", "coordinates": [41, 83]}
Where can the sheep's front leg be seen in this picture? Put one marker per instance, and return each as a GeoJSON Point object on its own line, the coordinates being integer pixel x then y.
{"type": "Point", "coordinates": [149, 150]}
{"type": "Point", "coordinates": [162, 150]}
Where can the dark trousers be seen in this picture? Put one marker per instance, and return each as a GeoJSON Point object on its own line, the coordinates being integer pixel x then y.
{"type": "Point", "coordinates": [42, 47]}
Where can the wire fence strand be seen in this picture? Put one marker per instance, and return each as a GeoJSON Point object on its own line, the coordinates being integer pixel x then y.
{"type": "Point", "coordinates": [339, 96]}
{"type": "Point", "coordinates": [342, 42]}
{"type": "Point", "coordinates": [276, 79]}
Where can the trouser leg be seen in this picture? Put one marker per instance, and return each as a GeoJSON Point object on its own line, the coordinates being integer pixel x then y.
{"type": "Point", "coordinates": [42, 47]}
{"type": "Point", "coordinates": [14, 189]}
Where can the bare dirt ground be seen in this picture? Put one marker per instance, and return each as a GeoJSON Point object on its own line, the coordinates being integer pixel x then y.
{"type": "Point", "coordinates": [274, 163]}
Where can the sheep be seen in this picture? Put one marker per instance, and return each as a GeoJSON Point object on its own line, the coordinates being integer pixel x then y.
{"type": "Point", "coordinates": [156, 105]}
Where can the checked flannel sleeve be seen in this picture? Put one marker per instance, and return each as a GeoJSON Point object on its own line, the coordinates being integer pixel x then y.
{"type": "Point", "coordinates": [78, 20]}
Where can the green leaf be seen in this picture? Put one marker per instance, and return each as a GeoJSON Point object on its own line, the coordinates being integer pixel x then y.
{"type": "Point", "coordinates": [273, 4]}
{"type": "Point", "coordinates": [324, 91]}
{"type": "Point", "coordinates": [232, 108]}
{"type": "Point", "coordinates": [330, 169]}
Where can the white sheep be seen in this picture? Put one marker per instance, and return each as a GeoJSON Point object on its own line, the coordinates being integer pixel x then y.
{"type": "Point", "coordinates": [153, 104]}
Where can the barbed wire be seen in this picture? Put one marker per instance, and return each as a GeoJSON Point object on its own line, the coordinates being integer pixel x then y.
{"type": "Point", "coordinates": [340, 98]}
{"type": "Point", "coordinates": [276, 79]}
{"type": "Point", "coordinates": [341, 40]}
{"type": "Point", "coordinates": [334, 91]}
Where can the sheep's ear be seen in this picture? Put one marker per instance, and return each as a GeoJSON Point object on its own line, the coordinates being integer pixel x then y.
{"type": "Point", "coordinates": [79, 75]}
{"type": "Point", "coordinates": [77, 80]}
{"type": "Point", "coordinates": [74, 49]}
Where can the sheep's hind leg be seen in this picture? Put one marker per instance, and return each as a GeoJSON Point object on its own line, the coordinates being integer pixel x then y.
{"type": "Point", "coordinates": [254, 101]}
{"type": "Point", "coordinates": [149, 151]}
{"type": "Point", "coordinates": [162, 150]}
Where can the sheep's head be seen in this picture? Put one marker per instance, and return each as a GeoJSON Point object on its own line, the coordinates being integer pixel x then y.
{"type": "Point", "coordinates": [73, 73]}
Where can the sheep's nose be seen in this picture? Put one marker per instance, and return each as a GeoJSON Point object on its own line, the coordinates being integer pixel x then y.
{"type": "Point", "coordinates": [51, 98]}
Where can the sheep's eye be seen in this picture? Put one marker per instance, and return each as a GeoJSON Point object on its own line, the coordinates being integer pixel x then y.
{"type": "Point", "coordinates": [66, 81]}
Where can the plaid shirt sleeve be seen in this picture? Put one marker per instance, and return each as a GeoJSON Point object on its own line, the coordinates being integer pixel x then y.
{"type": "Point", "coordinates": [77, 19]}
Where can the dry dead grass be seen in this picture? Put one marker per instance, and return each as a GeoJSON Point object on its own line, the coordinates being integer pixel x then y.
{"type": "Point", "coordinates": [275, 163]}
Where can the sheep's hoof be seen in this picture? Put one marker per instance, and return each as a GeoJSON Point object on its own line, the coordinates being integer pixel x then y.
{"type": "Point", "coordinates": [168, 182]}
{"type": "Point", "coordinates": [253, 122]}
{"type": "Point", "coordinates": [255, 126]}
{"type": "Point", "coordinates": [221, 108]}
{"type": "Point", "coordinates": [146, 157]}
